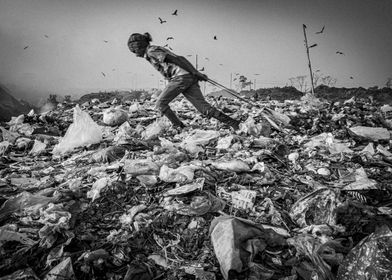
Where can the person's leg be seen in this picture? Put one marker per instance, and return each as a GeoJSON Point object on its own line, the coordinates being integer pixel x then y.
{"type": "Point", "coordinates": [171, 91]}
{"type": "Point", "coordinates": [195, 96]}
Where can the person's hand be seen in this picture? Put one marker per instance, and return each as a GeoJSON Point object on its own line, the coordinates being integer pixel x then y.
{"type": "Point", "coordinates": [201, 77]}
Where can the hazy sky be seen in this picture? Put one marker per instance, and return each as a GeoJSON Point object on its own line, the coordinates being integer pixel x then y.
{"type": "Point", "coordinates": [254, 36]}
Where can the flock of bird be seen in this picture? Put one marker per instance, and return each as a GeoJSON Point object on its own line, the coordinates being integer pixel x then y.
{"type": "Point", "coordinates": [175, 13]}
{"type": "Point", "coordinates": [319, 32]}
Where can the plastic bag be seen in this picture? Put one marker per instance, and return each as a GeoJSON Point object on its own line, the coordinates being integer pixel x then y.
{"type": "Point", "coordinates": [125, 133]}
{"type": "Point", "coordinates": [200, 137]}
{"type": "Point", "coordinates": [183, 174]}
{"type": "Point", "coordinates": [113, 117]}
{"type": "Point", "coordinates": [370, 258]}
{"type": "Point", "coordinates": [250, 127]}
{"type": "Point", "coordinates": [38, 148]}
{"type": "Point", "coordinates": [318, 207]}
{"type": "Point", "coordinates": [235, 165]}
{"type": "Point", "coordinates": [137, 167]}
{"type": "Point", "coordinates": [237, 241]}
{"type": "Point", "coordinates": [97, 187]}
{"type": "Point", "coordinates": [82, 132]}
{"type": "Point", "coordinates": [8, 136]}
{"type": "Point", "coordinates": [370, 133]}
{"type": "Point", "coordinates": [109, 154]}
{"type": "Point", "coordinates": [63, 270]}
{"type": "Point", "coordinates": [155, 129]}
{"type": "Point", "coordinates": [225, 142]}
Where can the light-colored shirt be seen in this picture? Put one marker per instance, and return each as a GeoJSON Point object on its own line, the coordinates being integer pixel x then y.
{"type": "Point", "coordinates": [156, 56]}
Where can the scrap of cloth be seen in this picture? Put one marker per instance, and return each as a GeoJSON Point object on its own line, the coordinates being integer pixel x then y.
{"type": "Point", "coordinates": [156, 56]}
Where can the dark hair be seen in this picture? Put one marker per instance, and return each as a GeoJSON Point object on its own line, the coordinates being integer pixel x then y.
{"type": "Point", "coordinates": [135, 37]}
{"type": "Point", "coordinates": [147, 36]}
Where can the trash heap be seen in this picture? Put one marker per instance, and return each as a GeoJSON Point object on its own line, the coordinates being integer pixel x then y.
{"type": "Point", "coordinates": [107, 190]}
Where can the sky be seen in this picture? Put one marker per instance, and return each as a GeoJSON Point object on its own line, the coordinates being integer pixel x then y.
{"type": "Point", "coordinates": [261, 39]}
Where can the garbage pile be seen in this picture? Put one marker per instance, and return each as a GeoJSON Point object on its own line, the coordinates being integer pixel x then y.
{"type": "Point", "coordinates": [109, 190]}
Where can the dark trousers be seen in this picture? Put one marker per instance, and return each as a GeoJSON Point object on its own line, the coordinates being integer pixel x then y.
{"type": "Point", "coordinates": [187, 85]}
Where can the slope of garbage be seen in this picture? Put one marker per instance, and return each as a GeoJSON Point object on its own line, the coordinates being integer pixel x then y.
{"type": "Point", "coordinates": [109, 190]}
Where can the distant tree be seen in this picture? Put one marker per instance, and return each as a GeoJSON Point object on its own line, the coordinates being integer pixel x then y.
{"type": "Point", "coordinates": [301, 82]}
{"type": "Point", "coordinates": [328, 81]}
{"type": "Point", "coordinates": [317, 75]}
{"type": "Point", "coordinates": [292, 81]}
{"type": "Point", "coordinates": [52, 99]}
{"type": "Point", "coordinates": [388, 84]}
{"type": "Point", "coordinates": [67, 98]}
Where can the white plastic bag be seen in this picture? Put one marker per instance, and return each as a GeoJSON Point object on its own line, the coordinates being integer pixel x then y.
{"type": "Point", "coordinates": [234, 165]}
{"type": "Point", "coordinates": [183, 174]}
{"type": "Point", "coordinates": [113, 117]}
{"type": "Point", "coordinates": [97, 187]}
{"type": "Point", "coordinates": [154, 130]}
{"type": "Point", "coordinates": [82, 132]}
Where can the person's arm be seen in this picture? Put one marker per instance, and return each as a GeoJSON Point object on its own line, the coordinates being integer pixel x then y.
{"type": "Point", "coordinates": [186, 65]}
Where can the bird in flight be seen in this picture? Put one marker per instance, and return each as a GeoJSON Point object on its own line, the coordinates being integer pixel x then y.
{"type": "Point", "coordinates": [46, 36]}
{"type": "Point", "coordinates": [257, 74]}
{"type": "Point", "coordinates": [339, 52]}
{"type": "Point", "coordinates": [174, 13]}
{"type": "Point", "coordinates": [351, 78]}
{"type": "Point", "coordinates": [105, 41]}
{"type": "Point", "coordinates": [169, 38]}
{"type": "Point", "coordinates": [103, 74]}
{"type": "Point", "coordinates": [220, 64]}
{"type": "Point", "coordinates": [202, 69]}
{"type": "Point", "coordinates": [188, 55]}
{"type": "Point", "coordinates": [161, 20]}
{"type": "Point", "coordinates": [312, 46]}
{"type": "Point", "coordinates": [206, 58]}
{"type": "Point", "coordinates": [321, 31]}
{"type": "Point", "coordinates": [25, 47]}
{"type": "Point", "coordinates": [215, 38]}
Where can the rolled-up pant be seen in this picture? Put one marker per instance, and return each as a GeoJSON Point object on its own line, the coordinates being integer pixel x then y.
{"type": "Point", "coordinates": [187, 85]}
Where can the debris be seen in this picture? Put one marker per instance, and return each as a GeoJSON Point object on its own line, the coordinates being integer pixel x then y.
{"type": "Point", "coordinates": [243, 199]}
{"type": "Point", "coordinates": [370, 258]}
{"type": "Point", "coordinates": [316, 208]}
{"type": "Point", "coordinates": [63, 270]}
{"type": "Point", "coordinates": [138, 201]}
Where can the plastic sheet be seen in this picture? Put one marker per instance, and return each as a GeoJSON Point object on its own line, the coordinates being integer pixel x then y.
{"type": "Point", "coordinates": [82, 132]}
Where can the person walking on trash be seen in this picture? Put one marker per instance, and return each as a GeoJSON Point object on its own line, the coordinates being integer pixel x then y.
{"type": "Point", "coordinates": [182, 76]}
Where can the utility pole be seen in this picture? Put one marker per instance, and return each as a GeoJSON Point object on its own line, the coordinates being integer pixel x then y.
{"type": "Point", "coordinates": [196, 63]}
{"type": "Point", "coordinates": [307, 52]}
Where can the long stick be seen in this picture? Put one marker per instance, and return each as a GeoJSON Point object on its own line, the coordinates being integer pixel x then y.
{"type": "Point", "coordinates": [307, 52]}
{"type": "Point", "coordinates": [232, 92]}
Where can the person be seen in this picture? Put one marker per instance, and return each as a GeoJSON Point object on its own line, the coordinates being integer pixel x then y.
{"type": "Point", "coordinates": [182, 78]}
